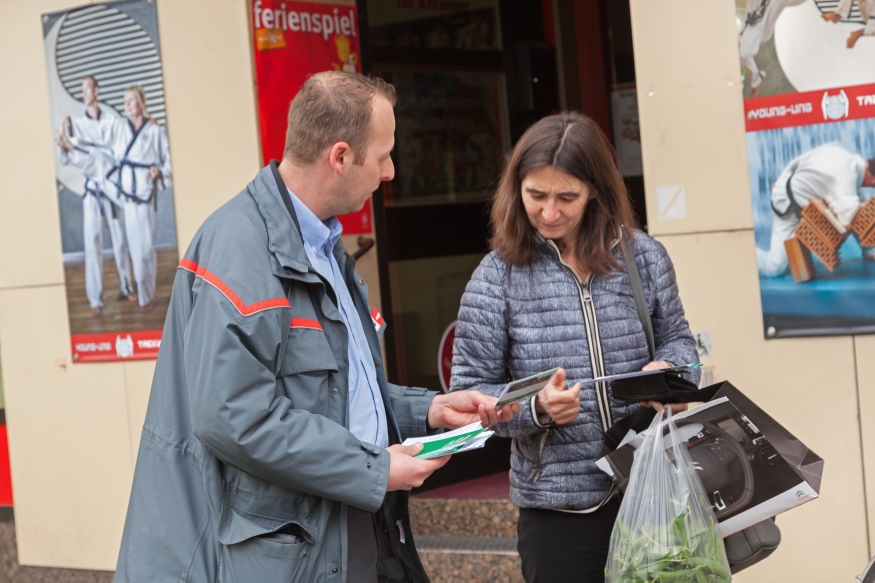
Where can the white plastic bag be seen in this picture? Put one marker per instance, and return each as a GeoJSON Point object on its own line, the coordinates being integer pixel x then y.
{"type": "Point", "coordinates": [666, 529]}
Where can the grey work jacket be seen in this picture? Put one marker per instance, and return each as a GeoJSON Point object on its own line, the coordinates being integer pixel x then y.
{"type": "Point", "coordinates": [246, 466]}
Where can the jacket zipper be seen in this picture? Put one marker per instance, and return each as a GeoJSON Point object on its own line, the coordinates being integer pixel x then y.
{"type": "Point", "coordinates": [596, 360]}
{"type": "Point", "coordinates": [594, 340]}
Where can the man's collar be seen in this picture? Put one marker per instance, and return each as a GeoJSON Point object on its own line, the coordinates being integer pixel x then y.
{"type": "Point", "coordinates": [283, 230]}
{"type": "Point", "coordinates": [316, 233]}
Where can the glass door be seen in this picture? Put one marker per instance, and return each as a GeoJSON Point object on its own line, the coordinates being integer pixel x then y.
{"type": "Point", "coordinates": [451, 135]}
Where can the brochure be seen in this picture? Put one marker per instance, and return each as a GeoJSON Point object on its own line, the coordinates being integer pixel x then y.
{"type": "Point", "coordinates": [643, 373]}
{"type": "Point", "coordinates": [465, 438]}
{"type": "Point", "coordinates": [524, 388]}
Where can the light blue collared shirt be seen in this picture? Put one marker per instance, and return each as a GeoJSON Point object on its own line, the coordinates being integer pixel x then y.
{"type": "Point", "coordinates": [367, 414]}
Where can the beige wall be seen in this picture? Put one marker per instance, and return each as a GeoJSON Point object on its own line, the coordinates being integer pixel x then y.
{"type": "Point", "coordinates": [74, 429]}
{"type": "Point", "coordinates": [692, 128]}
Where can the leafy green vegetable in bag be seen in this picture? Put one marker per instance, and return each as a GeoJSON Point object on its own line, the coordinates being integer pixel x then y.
{"type": "Point", "coordinates": [666, 530]}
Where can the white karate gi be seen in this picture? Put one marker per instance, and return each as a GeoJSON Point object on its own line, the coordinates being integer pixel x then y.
{"type": "Point", "coordinates": [86, 131]}
{"type": "Point", "coordinates": [828, 173]}
{"type": "Point", "coordinates": [759, 32]}
{"type": "Point", "coordinates": [867, 11]}
{"type": "Point", "coordinates": [127, 179]}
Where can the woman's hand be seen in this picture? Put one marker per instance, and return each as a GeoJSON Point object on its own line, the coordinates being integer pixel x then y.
{"type": "Point", "coordinates": [560, 403]}
{"type": "Point", "coordinates": [657, 364]}
{"type": "Point", "coordinates": [675, 407]}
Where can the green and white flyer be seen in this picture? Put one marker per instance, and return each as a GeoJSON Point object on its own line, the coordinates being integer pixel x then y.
{"type": "Point", "coordinates": [465, 438]}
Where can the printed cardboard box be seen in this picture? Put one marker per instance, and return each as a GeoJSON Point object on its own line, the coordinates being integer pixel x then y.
{"type": "Point", "coordinates": [752, 468]}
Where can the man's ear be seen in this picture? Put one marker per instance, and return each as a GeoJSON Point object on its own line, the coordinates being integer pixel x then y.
{"type": "Point", "coordinates": [340, 156]}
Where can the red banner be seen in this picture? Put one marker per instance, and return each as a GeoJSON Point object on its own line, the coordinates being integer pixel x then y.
{"type": "Point", "coordinates": [293, 40]}
{"type": "Point", "coordinates": [813, 107]}
{"type": "Point", "coordinates": [116, 346]}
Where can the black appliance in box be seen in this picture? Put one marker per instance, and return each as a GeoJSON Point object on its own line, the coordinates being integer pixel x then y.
{"type": "Point", "coordinates": [751, 467]}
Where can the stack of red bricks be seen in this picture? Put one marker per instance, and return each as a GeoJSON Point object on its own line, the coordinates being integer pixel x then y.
{"type": "Point", "coordinates": [863, 224]}
{"type": "Point", "coordinates": [819, 232]}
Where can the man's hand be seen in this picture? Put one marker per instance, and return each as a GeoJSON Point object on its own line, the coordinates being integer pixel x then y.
{"type": "Point", "coordinates": [560, 403]}
{"type": "Point", "coordinates": [63, 142]}
{"type": "Point", "coordinates": [405, 471]}
{"type": "Point", "coordinates": [831, 16]}
{"type": "Point", "coordinates": [461, 408]}
{"type": "Point", "coordinates": [154, 173]}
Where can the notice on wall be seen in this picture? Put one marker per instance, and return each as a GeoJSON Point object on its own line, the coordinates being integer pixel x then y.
{"type": "Point", "coordinates": [627, 135]}
{"type": "Point", "coordinates": [810, 116]}
{"type": "Point", "coordinates": [114, 176]}
{"type": "Point", "coordinates": [293, 40]}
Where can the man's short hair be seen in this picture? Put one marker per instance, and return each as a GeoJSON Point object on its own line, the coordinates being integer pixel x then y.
{"type": "Point", "coordinates": [93, 80]}
{"type": "Point", "coordinates": [332, 107]}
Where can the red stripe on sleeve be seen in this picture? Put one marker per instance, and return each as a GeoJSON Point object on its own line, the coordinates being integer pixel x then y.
{"type": "Point", "coordinates": [306, 323]}
{"type": "Point", "coordinates": [216, 282]}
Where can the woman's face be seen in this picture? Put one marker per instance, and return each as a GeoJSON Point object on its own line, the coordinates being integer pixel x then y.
{"type": "Point", "coordinates": [555, 202]}
{"type": "Point", "coordinates": [133, 105]}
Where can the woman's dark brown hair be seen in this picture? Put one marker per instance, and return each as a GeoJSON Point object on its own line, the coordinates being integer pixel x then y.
{"type": "Point", "coordinates": [574, 144]}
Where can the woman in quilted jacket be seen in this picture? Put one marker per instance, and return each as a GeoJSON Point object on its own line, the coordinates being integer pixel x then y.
{"type": "Point", "coordinates": [554, 292]}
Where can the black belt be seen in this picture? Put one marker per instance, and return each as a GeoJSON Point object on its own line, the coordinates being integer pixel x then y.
{"type": "Point", "coordinates": [793, 207]}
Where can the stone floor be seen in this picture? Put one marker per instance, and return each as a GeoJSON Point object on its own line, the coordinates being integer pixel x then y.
{"type": "Point", "coordinates": [467, 532]}
{"type": "Point", "coordinates": [11, 571]}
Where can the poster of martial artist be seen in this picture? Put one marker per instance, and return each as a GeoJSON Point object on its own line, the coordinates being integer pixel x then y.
{"type": "Point", "coordinates": [293, 40]}
{"type": "Point", "coordinates": [811, 158]}
{"type": "Point", "coordinates": [114, 176]}
{"type": "Point", "coordinates": [804, 45]}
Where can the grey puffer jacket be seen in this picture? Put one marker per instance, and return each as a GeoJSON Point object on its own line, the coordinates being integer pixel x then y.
{"type": "Point", "coordinates": [530, 319]}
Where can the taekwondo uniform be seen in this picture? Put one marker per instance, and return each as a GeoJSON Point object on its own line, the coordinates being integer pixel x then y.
{"type": "Point", "coordinates": [88, 132]}
{"type": "Point", "coordinates": [828, 173]}
{"type": "Point", "coordinates": [759, 27]}
{"type": "Point", "coordinates": [132, 153]}
{"type": "Point", "coordinates": [867, 11]}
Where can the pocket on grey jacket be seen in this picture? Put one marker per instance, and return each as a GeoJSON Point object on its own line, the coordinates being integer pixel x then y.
{"type": "Point", "coordinates": [261, 548]}
{"type": "Point", "coordinates": [307, 349]}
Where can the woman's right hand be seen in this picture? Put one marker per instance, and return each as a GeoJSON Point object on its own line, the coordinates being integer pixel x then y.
{"type": "Point", "coordinates": [560, 403]}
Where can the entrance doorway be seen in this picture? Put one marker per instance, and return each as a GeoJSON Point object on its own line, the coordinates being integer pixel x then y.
{"type": "Point", "coordinates": [471, 77]}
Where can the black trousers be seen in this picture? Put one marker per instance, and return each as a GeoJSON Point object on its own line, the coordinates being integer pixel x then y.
{"type": "Point", "coordinates": [561, 546]}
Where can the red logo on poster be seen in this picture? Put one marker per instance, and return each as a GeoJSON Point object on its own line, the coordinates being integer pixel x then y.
{"type": "Point", "coordinates": [116, 346]}
{"type": "Point", "coordinates": [809, 108]}
{"type": "Point", "coordinates": [445, 355]}
{"type": "Point", "coordinates": [292, 41]}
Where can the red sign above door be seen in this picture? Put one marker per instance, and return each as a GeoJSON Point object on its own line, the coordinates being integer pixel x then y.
{"type": "Point", "coordinates": [292, 41]}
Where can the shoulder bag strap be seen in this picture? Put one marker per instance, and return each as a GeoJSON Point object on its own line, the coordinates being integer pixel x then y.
{"type": "Point", "coordinates": [638, 291]}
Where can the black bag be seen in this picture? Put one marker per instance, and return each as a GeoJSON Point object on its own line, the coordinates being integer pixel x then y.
{"type": "Point", "coordinates": [744, 548]}
{"type": "Point", "coordinates": [664, 386]}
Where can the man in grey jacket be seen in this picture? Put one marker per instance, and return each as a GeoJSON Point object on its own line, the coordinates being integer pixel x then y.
{"type": "Point", "coordinates": [266, 455]}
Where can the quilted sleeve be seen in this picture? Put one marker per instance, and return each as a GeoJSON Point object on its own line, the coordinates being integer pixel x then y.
{"type": "Point", "coordinates": [671, 331]}
{"type": "Point", "coordinates": [481, 344]}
